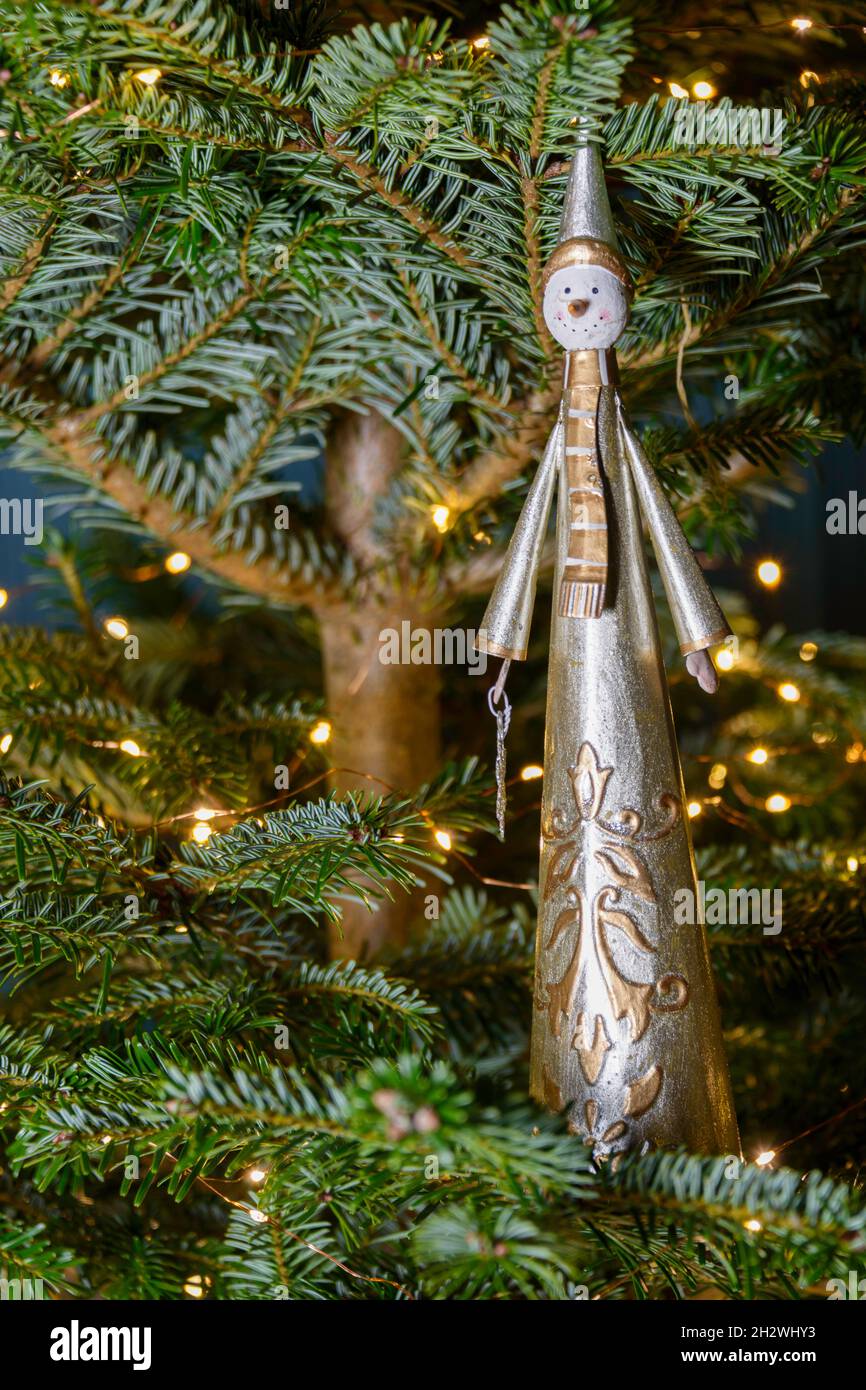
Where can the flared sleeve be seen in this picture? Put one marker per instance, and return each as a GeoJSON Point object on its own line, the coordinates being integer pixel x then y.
{"type": "Point", "coordinates": [505, 628]}
{"type": "Point", "coordinates": [698, 619]}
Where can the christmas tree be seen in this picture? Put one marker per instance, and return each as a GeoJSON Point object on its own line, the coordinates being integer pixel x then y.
{"type": "Point", "coordinates": [274, 360]}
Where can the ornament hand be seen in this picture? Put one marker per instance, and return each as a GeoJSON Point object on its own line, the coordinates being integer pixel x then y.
{"type": "Point", "coordinates": [701, 667]}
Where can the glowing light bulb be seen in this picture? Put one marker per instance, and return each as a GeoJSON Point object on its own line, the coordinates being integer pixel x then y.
{"type": "Point", "coordinates": [130, 746]}
{"type": "Point", "coordinates": [204, 813]}
{"type": "Point", "coordinates": [197, 1282]}
{"type": "Point", "coordinates": [789, 691]}
{"type": "Point", "coordinates": [530, 772]}
{"type": "Point", "coordinates": [725, 659]}
{"type": "Point", "coordinates": [807, 76]}
{"type": "Point", "coordinates": [854, 753]}
{"type": "Point", "coordinates": [718, 773]}
{"type": "Point", "coordinates": [442, 838]}
{"type": "Point", "coordinates": [694, 809]}
{"type": "Point", "coordinates": [676, 90]}
{"type": "Point", "coordinates": [201, 832]}
{"type": "Point", "coordinates": [769, 573]}
{"type": "Point", "coordinates": [398, 839]}
{"type": "Point", "coordinates": [116, 627]}
{"type": "Point", "coordinates": [4, 598]}
{"type": "Point", "coordinates": [257, 1174]}
{"type": "Point", "coordinates": [441, 516]}
{"type": "Point", "coordinates": [765, 1158]}
{"type": "Point", "coordinates": [852, 863]}
{"type": "Point", "coordinates": [482, 42]}
{"type": "Point", "coordinates": [703, 91]}
{"type": "Point", "coordinates": [777, 803]}
{"type": "Point", "coordinates": [753, 1225]}
{"type": "Point", "coordinates": [258, 1216]}
{"type": "Point", "coordinates": [149, 76]}
{"type": "Point", "coordinates": [801, 24]}
{"type": "Point", "coordinates": [321, 733]}
{"type": "Point", "coordinates": [5, 743]}
{"type": "Point", "coordinates": [808, 651]}
{"type": "Point", "coordinates": [758, 755]}
{"type": "Point", "coordinates": [58, 78]}
{"type": "Point", "coordinates": [177, 562]}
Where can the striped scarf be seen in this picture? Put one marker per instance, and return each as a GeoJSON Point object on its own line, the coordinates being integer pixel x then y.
{"type": "Point", "coordinates": [581, 592]}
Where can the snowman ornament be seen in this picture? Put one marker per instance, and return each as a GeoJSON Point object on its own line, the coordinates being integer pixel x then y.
{"type": "Point", "coordinates": [585, 307]}
{"type": "Point", "coordinates": [626, 1037]}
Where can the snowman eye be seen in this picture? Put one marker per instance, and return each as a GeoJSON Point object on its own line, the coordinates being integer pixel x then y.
{"type": "Point", "coordinates": [595, 289]}
{"type": "Point", "coordinates": [567, 289]}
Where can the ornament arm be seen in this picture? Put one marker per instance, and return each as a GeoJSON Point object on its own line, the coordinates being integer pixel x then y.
{"type": "Point", "coordinates": [505, 627]}
{"type": "Point", "coordinates": [698, 619]}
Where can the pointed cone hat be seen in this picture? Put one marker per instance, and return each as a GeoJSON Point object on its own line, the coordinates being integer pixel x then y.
{"type": "Point", "coordinates": [587, 235]}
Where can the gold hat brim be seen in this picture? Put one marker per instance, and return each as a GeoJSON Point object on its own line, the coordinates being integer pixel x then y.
{"type": "Point", "coordinates": [586, 250]}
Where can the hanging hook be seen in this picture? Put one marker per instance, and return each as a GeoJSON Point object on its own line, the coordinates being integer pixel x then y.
{"type": "Point", "coordinates": [494, 694]}
{"type": "Point", "coordinates": [503, 720]}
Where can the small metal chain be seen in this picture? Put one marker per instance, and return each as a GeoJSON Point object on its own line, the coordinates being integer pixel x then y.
{"type": "Point", "coordinates": [503, 720]}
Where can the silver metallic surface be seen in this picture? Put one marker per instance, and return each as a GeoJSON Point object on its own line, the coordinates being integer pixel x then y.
{"type": "Point", "coordinates": [500, 707]}
{"type": "Point", "coordinates": [586, 211]}
{"type": "Point", "coordinates": [698, 619]}
{"type": "Point", "coordinates": [504, 629]}
{"type": "Point", "coordinates": [626, 1034]}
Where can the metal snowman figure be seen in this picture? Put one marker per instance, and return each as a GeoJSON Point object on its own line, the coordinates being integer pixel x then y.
{"type": "Point", "coordinates": [626, 1035]}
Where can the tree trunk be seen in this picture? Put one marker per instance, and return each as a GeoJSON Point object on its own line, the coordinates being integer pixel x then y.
{"type": "Point", "coordinates": [385, 718]}
{"type": "Point", "coordinates": [386, 724]}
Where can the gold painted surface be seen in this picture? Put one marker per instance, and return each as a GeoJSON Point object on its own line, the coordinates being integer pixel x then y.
{"type": "Point", "coordinates": [644, 1092]}
{"type": "Point", "coordinates": [592, 1055]}
{"type": "Point", "coordinates": [709, 640]}
{"type": "Point", "coordinates": [583, 370]}
{"type": "Point", "coordinates": [587, 250]}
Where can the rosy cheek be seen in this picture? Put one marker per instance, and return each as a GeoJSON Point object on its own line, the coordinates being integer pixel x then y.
{"type": "Point", "coordinates": [605, 315]}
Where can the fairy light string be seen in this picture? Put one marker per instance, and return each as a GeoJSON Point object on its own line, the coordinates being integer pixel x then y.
{"type": "Point", "coordinates": [265, 1218]}
{"type": "Point", "coordinates": [150, 76]}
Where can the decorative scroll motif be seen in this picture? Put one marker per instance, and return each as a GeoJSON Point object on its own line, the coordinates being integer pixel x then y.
{"type": "Point", "coordinates": [643, 1093]}
{"type": "Point", "coordinates": [591, 1056]}
{"type": "Point", "coordinates": [590, 1115]}
{"type": "Point", "coordinates": [590, 932]}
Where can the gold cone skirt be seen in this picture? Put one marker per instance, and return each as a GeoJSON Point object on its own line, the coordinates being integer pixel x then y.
{"type": "Point", "coordinates": [626, 1035]}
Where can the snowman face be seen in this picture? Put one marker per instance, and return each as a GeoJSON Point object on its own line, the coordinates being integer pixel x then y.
{"type": "Point", "coordinates": [585, 307]}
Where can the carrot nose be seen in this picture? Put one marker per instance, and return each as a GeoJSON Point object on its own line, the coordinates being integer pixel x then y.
{"type": "Point", "coordinates": [578, 307]}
